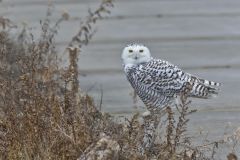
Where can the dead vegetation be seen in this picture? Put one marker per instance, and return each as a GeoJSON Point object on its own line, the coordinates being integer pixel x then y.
{"type": "Point", "coordinates": [44, 114]}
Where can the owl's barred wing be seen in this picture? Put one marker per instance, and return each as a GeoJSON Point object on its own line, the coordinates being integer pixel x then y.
{"type": "Point", "coordinates": [164, 76]}
{"type": "Point", "coordinates": [148, 95]}
{"type": "Point", "coordinates": [156, 82]}
{"type": "Point", "coordinates": [178, 80]}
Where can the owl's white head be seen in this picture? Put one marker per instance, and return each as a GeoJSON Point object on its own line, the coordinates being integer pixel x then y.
{"type": "Point", "coordinates": [135, 54]}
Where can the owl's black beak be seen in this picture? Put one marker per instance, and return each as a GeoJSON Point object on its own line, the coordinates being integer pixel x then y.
{"type": "Point", "coordinates": [135, 57]}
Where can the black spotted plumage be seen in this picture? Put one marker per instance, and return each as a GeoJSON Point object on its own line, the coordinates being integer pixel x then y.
{"type": "Point", "coordinates": [158, 82]}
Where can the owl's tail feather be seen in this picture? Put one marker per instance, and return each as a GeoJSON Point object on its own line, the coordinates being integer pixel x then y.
{"type": "Point", "coordinates": [209, 83]}
{"type": "Point", "coordinates": [212, 92]}
{"type": "Point", "coordinates": [201, 90]}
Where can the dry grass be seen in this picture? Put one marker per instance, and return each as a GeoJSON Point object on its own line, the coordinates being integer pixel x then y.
{"type": "Point", "coordinates": [44, 114]}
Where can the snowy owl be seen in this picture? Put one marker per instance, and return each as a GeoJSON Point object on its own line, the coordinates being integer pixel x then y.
{"type": "Point", "coordinates": [158, 82]}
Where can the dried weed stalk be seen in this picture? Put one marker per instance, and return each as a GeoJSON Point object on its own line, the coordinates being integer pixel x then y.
{"type": "Point", "coordinates": [86, 30]}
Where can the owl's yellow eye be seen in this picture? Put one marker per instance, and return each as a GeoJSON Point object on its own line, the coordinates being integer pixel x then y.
{"type": "Point", "coordinates": [130, 50]}
{"type": "Point", "coordinates": [141, 50]}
